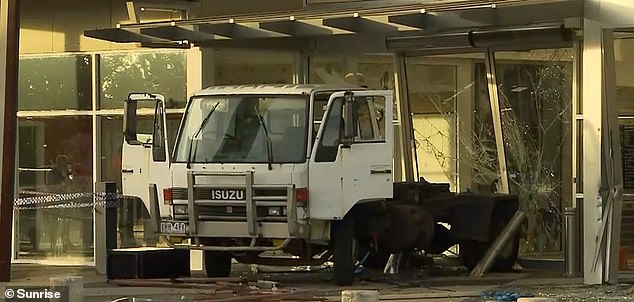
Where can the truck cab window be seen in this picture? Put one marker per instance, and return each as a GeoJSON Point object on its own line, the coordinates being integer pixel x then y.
{"type": "Point", "coordinates": [158, 135]}
{"type": "Point", "coordinates": [331, 135]}
{"type": "Point", "coordinates": [370, 126]}
{"type": "Point", "coordinates": [366, 131]}
{"type": "Point", "coordinates": [370, 118]}
{"type": "Point", "coordinates": [245, 129]}
{"type": "Point", "coordinates": [379, 115]}
{"type": "Point", "coordinates": [320, 102]}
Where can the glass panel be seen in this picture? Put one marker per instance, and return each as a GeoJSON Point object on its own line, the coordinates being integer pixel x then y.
{"type": "Point", "coordinates": [240, 66]}
{"type": "Point", "coordinates": [625, 94]}
{"type": "Point", "coordinates": [162, 72]}
{"type": "Point", "coordinates": [329, 144]}
{"type": "Point", "coordinates": [441, 96]}
{"type": "Point", "coordinates": [55, 82]}
{"type": "Point", "coordinates": [55, 157]}
{"type": "Point", "coordinates": [159, 153]}
{"type": "Point", "coordinates": [371, 71]}
{"type": "Point", "coordinates": [366, 129]}
{"type": "Point", "coordinates": [627, 149]}
{"type": "Point", "coordinates": [535, 92]}
{"type": "Point", "coordinates": [378, 105]}
{"type": "Point", "coordinates": [432, 101]}
{"type": "Point", "coordinates": [624, 56]}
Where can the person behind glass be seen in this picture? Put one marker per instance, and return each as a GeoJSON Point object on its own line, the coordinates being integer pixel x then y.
{"type": "Point", "coordinates": [58, 224]}
{"type": "Point", "coordinates": [61, 174]}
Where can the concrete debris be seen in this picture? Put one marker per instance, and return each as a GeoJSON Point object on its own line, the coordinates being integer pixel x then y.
{"type": "Point", "coordinates": [226, 289]}
{"type": "Point", "coordinates": [264, 284]}
{"type": "Point", "coordinates": [573, 293]}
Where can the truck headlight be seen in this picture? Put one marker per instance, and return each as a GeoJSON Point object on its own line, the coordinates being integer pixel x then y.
{"type": "Point", "coordinates": [180, 210]}
{"type": "Point", "coordinates": [275, 211]}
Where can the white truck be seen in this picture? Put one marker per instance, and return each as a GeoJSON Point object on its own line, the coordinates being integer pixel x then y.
{"type": "Point", "coordinates": [303, 169]}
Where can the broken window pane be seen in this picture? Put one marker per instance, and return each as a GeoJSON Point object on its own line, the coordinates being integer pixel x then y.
{"type": "Point", "coordinates": [535, 94]}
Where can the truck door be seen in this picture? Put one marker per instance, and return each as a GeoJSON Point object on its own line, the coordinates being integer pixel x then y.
{"type": "Point", "coordinates": [145, 157]}
{"type": "Point", "coordinates": [343, 172]}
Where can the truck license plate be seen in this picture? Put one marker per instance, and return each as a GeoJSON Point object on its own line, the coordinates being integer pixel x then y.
{"type": "Point", "coordinates": [174, 227]}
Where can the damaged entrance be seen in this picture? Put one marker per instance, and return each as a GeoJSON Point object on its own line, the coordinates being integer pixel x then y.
{"type": "Point", "coordinates": [496, 118]}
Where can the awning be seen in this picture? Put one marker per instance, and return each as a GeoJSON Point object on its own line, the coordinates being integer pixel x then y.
{"type": "Point", "coordinates": [387, 21]}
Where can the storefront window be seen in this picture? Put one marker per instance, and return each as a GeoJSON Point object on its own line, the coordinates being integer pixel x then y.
{"type": "Point", "coordinates": [162, 72]}
{"type": "Point", "coordinates": [449, 149]}
{"type": "Point", "coordinates": [432, 97]}
{"type": "Point", "coordinates": [240, 66]}
{"type": "Point", "coordinates": [55, 154]}
{"type": "Point", "coordinates": [55, 82]}
{"type": "Point", "coordinates": [55, 157]}
{"type": "Point", "coordinates": [624, 56]}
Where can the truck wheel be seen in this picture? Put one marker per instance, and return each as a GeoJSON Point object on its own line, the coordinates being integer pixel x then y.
{"type": "Point", "coordinates": [217, 264]}
{"type": "Point", "coordinates": [344, 254]}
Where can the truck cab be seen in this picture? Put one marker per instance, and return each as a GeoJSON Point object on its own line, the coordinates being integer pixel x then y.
{"type": "Point", "coordinates": [259, 168]}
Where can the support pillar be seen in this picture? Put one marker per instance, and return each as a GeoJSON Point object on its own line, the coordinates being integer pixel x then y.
{"type": "Point", "coordinates": [497, 119]}
{"type": "Point", "coordinates": [9, 48]}
{"type": "Point", "coordinates": [406, 137]}
{"type": "Point", "coordinates": [592, 97]}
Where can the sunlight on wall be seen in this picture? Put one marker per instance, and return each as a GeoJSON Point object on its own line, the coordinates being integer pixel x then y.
{"type": "Point", "coordinates": [435, 149]}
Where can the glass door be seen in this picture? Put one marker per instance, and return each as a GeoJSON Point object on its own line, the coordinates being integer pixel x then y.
{"type": "Point", "coordinates": [54, 163]}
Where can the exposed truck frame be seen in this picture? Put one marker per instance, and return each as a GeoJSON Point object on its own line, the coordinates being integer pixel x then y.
{"type": "Point", "coordinates": [304, 169]}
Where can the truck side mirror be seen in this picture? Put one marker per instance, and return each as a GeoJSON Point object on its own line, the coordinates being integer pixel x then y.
{"type": "Point", "coordinates": [350, 121]}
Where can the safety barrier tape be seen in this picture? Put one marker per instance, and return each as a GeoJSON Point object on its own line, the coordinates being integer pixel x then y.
{"type": "Point", "coordinates": [67, 201]}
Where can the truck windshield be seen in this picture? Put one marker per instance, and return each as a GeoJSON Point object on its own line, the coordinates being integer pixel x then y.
{"type": "Point", "coordinates": [235, 134]}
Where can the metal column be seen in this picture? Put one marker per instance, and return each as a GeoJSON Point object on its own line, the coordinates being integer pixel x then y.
{"type": "Point", "coordinates": [9, 46]}
{"type": "Point", "coordinates": [405, 118]}
{"type": "Point", "coordinates": [497, 118]}
{"type": "Point", "coordinates": [577, 121]}
{"type": "Point", "coordinates": [571, 246]}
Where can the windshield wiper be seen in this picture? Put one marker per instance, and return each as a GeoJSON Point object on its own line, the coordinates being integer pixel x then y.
{"type": "Point", "coordinates": [269, 143]}
{"type": "Point", "coordinates": [198, 131]}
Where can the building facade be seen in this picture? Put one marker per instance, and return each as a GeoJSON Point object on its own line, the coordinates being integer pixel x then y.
{"type": "Point", "coordinates": [540, 65]}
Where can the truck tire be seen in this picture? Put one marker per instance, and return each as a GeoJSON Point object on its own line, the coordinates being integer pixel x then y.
{"type": "Point", "coordinates": [344, 254]}
{"type": "Point", "coordinates": [217, 264]}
